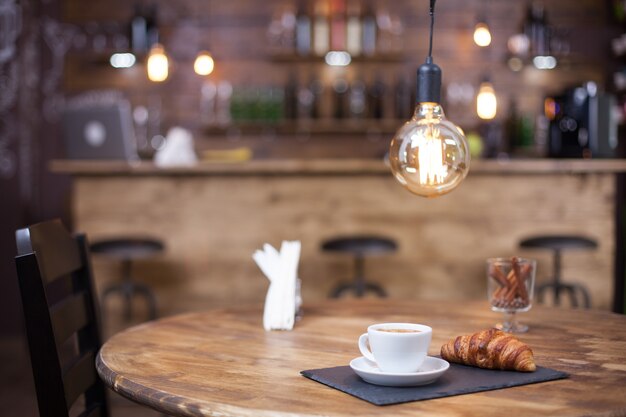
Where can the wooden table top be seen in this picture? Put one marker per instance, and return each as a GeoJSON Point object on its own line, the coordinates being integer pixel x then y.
{"type": "Point", "coordinates": [222, 362]}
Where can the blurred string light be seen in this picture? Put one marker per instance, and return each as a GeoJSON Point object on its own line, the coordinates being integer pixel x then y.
{"type": "Point", "coordinates": [544, 62]}
{"type": "Point", "coordinates": [158, 64]}
{"type": "Point", "coordinates": [204, 63]}
{"type": "Point", "coordinates": [482, 34]}
{"type": "Point", "coordinates": [338, 58]}
{"type": "Point", "coordinates": [486, 101]}
{"type": "Point", "coordinates": [538, 44]}
{"type": "Point", "coordinates": [122, 60]}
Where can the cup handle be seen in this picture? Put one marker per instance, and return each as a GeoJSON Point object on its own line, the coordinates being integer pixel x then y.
{"type": "Point", "coordinates": [363, 342]}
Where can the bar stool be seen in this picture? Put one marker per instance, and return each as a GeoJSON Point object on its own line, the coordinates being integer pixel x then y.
{"type": "Point", "coordinates": [359, 247]}
{"type": "Point", "coordinates": [558, 243]}
{"type": "Point", "coordinates": [128, 250]}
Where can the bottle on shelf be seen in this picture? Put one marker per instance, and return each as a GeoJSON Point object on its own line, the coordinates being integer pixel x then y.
{"type": "Point", "coordinates": [518, 130]}
{"type": "Point", "coordinates": [138, 32]}
{"type": "Point", "coordinates": [403, 106]}
{"type": "Point", "coordinates": [321, 30]}
{"type": "Point", "coordinates": [306, 101]}
{"type": "Point", "coordinates": [536, 29]}
{"type": "Point", "coordinates": [291, 98]}
{"type": "Point", "coordinates": [152, 29]}
{"type": "Point", "coordinates": [303, 30]}
{"type": "Point", "coordinates": [375, 98]}
{"type": "Point", "coordinates": [340, 94]}
{"type": "Point", "coordinates": [357, 99]}
{"type": "Point", "coordinates": [317, 89]}
{"type": "Point", "coordinates": [338, 25]}
{"type": "Point", "coordinates": [354, 29]}
{"type": "Point", "coordinates": [369, 31]}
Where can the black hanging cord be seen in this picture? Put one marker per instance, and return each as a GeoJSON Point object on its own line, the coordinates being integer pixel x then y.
{"type": "Point", "coordinates": [429, 73]}
{"type": "Point", "coordinates": [432, 24]}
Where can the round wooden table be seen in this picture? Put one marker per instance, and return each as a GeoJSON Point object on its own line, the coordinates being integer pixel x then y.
{"type": "Point", "coordinates": [222, 362]}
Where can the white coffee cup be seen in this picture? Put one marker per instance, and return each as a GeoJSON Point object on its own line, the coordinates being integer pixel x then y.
{"type": "Point", "coordinates": [396, 347]}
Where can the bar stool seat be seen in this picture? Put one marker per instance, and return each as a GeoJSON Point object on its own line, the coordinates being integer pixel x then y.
{"type": "Point", "coordinates": [126, 250]}
{"type": "Point", "coordinates": [559, 243]}
{"type": "Point", "coordinates": [359, 247]}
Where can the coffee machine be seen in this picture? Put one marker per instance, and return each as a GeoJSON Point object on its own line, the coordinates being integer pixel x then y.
{"type": "Point", "coordinates": [582, 123]}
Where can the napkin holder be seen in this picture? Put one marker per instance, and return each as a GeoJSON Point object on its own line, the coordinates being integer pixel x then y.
{"type": "Point", "coordinates": [283, 299]}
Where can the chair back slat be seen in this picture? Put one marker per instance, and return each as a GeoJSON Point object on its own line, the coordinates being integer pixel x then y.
{"type": "Point", "coordinates": [57, 252]}
{"type": "Point", "coordinates": [52, 259]}
{"type": "Point", "coordinates": [69, 316]}
{"type": "Point", "coordinates": [44, 355]}
{"type": "Point", "coordinates": [79, 376]}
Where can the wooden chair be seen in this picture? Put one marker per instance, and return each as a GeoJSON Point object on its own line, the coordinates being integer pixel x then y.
{"type": "Point", "coordinates": [53, 264]}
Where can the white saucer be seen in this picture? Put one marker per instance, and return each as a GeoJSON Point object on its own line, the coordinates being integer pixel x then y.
{"type": "Point", "coordinates": [431, 369]}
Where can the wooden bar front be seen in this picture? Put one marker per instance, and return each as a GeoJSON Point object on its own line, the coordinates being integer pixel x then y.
{"type": "Point", "coordinates": [213, 217]}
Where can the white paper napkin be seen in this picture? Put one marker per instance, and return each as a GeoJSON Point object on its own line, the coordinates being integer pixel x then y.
{"type": "Point", "coordinates": [281, 268]}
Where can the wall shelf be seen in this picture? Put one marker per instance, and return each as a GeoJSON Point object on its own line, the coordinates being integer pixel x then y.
{"type": "Point", "coordinates": [379, 58]}
{"type": "Point", "coordinates": [310, 126]}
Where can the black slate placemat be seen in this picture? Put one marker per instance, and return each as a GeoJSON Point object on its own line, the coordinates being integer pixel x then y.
{"type": "Point", "coordinates": [457, 380]}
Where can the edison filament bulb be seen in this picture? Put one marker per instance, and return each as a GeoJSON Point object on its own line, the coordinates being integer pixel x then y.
{"type": "Point", "coordinates": [429, 155]}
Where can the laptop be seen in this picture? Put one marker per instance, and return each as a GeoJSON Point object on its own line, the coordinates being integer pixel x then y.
{"type": "Point", "coordinates": [99, 131]}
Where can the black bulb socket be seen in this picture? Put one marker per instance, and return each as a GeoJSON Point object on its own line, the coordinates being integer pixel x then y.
{"type": "Point", "coordinates": [428, 82]}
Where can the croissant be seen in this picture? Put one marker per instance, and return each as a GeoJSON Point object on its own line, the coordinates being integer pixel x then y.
{"type": "Point", "coordinates": [491, 349]}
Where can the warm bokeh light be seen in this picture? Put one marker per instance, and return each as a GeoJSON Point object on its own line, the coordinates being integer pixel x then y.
{"type": "Point", "coordinates": [204, 63]}
{"type": "Point", "coordinates": [482, 35]}
{"type": "Point", "coordinates": [158, 64]}
{"type": "Point", "coordinates": [550, 108]}
{"type": "Point", "coordinates": [515, 64]}
{"type": "Point", "coordinates": [486, 102]}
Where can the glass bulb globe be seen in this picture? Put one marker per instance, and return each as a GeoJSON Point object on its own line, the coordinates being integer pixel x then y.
{"type": "Point", "coordinates": [429, 155]}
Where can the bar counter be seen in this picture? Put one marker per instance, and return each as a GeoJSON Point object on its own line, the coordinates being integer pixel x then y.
{"type": "Point", "coordinates": [213, 216]}
{"type": "Point", "coordinates": [333, 167]}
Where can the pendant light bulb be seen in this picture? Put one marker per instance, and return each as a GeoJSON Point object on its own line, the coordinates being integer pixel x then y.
{"type": "Point", "coordinates": [429, 155]}
{"type": "Point", "coordinates": [204, 63]}
{"type": "Point", "coordinates": [158, 64]}
{"type": "Point", "coordinates": [482, 35]}
{"type": "Point", "coordinates": [486, 101]}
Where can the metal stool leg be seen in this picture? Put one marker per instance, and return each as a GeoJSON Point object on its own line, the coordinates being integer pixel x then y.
{"type": "Point", "coordinates": [585, 294]}
{"type": "Point", "coordinates": [340, 289]}
{"type": "Point", "coordinates": [128, 289]}
{"type": "Point", "coordinates": [572, 294]}
{"type": "Point", "coordinates": [110, 290]}
{"type": "Point", "coordinates": [360, 284]}
{"type": "Point", "coordinates": [542, 289]}
{"type": "Point", "coordinates": [359, 278]}
{"type": "Point", "coordinates": [376, 288]}
{"type": "Point", "coordinates": [586, 298]}
{"type": "Point", "coordinates": [557, 276]}
{"type": "Point", "coordinates": [150, 298]}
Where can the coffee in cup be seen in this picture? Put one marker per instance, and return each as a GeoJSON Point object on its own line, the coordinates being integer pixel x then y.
{"type": "Point", "coordinates": [396, 347]}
